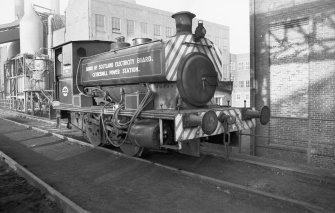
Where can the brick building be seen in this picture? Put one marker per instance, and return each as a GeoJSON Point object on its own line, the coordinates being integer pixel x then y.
{"type": "Point", "coordinates": [240, 74]}
{"type": "Point", "coordinates": [293, 57]}
{"type": "Point", "coordinates": [109, 19]}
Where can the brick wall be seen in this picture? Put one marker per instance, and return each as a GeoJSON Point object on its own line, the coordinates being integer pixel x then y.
{"type": "Point", "coordinates": [293, 46]}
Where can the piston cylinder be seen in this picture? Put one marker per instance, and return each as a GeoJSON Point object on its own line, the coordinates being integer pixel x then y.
{"type": "Point", "coordinates": [145, 133]}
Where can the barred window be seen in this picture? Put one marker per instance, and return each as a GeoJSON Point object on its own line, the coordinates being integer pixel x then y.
{"type": "Point", "coordinates": [144, 27]}
{"type": "Point", "coordinates": [247, 83]}
{"type": "Point", "coordinates": [116, 25]}
{"type": "Point", "coordinates": [157, 30]}
{"type": "Point", "coordinates": [130, 27]}
{"type": "Point", "coordinates": [99, 20]}
{"type": "Point", "coordinates": [168, 32]}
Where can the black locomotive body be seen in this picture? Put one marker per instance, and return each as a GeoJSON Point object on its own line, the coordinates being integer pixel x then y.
{"type": "Point", "coordinates": [154, 94]}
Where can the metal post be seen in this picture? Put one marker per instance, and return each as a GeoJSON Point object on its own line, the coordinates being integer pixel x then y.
{"type": "Point", "coordinates": [25, 104]}
{"type": "Point", "coordinates": [32, 103]}
{"type": "Point", "coordinates": [253, 141]}
{"type": "Point", "coordinates": [239, 141]}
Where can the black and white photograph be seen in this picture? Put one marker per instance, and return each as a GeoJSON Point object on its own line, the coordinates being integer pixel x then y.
{"type": "Point", "coordinates": [178, 106]}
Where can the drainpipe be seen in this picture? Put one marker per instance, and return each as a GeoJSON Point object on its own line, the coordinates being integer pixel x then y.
{"type": "Point", "coordinates": [253, 81]}
{"type": "Point", "coordinates": [50, 35]}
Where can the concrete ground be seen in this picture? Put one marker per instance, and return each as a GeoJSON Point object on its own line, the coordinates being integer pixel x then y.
{"type": "Point", "coordinates": [99, 181]}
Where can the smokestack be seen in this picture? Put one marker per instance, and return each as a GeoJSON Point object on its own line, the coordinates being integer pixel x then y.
{"type": "Point", "coordinates": [54, 5]}
{"type": "Point", "coordinates": [31, 31]}
{"type": "Point", "coordinates": [27, 5]}
{"type": "Point", "coordinates": [183, 22]}
{"type": "Point", "coordinates": [19, 8]}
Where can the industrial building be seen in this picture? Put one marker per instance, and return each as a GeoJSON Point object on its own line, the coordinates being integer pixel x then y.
{"type": "Point", "coordinates": [26, 74]}
{"type": "Point", "coordinates": [83, 20]}
{"type": "Point", "coordinates": [293, 61]}
{"type": "Point", "coordinates": [110, 19]}
{"type": "Point", "coordinates": [240, 75]}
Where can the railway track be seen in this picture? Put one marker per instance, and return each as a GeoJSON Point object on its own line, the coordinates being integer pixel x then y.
{"type": "Point", "coordinates": [279, 188]}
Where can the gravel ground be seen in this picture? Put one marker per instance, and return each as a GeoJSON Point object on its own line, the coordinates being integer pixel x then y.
{"type": "Point", "coordinates": [18, 196]}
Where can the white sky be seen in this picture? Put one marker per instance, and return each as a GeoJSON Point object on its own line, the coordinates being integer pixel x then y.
{"type": "Point", "coordinates": [232, 13]}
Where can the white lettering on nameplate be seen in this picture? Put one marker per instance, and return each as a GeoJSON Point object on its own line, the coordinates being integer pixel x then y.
{"type": "Point", "coordinates": [124, 66]}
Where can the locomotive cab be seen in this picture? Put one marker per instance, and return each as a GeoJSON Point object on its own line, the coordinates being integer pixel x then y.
{"type": "Point", "coordinates": [67, 57]}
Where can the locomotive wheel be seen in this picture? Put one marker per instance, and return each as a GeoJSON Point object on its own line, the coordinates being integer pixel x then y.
{"type": "Point", "coordinates": [131, 149]}
{"type": "Point", "coordinates": [93, 131]}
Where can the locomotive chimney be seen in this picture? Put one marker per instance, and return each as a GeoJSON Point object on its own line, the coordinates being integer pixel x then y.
{"type": "Point", "coordinates": [183, 22]}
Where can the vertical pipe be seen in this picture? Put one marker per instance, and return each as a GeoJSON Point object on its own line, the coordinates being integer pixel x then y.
{"type": "Point", "coordinates": [50, 35]}
{"type": "Point", "coordinates": [19, 8]}
{"type": "Point", "coordinates": [32, 103]}
{"type": "Point", "coordinates": [239, 141]}
{"type": "Point", "coordinates": [54, 5]}
{"type": "Point", "coordinates": [26, 102]}
{"type": "Point", "coordinates": [253, 67]}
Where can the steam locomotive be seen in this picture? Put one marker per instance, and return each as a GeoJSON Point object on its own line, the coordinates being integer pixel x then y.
{"type": "Point", "coordinates": [152, 95]}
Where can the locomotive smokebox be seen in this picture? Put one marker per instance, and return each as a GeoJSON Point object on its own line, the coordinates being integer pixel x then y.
{"type": "Point", "coordinates": [183, 22]}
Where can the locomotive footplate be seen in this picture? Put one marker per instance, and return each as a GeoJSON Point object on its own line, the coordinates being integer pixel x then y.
{"type": "Point", "coordinates": [180, 130]}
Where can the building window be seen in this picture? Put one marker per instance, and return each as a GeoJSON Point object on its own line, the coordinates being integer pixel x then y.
{"type": "Point", "coordinates": [157, 30]}
{"type": "Point", "coordinates": [238, 96]}
{"type": "Point", "coordinates": [240, 66]}
{"type": "Point", "coordinates": [218, 101]}
{"type": "Point", "coordinates": [99, 20]}
{"type": "Point", "coordinates": [116, 25]}
{"type": "Point", "coordinates": [241, 83]}
{"type": "Point", "coordinates": [225, 44]}
{"type": "Point", "coordinates": [247, 83]}
{"type": "Point", "coordinates": [247, 98]}
{"type": "Point", "coordinates": [232, 66]}
{"type": "Point", "coordinates": [168, 32]}
{"type": "Point", "coordinates": [216, 42]}
{"type": "Point", "coordinates": [130, 27]}
{"type": "Point", "coordinates": [247, 65]}
{"type": "Point", "coordinates": [144, 27]}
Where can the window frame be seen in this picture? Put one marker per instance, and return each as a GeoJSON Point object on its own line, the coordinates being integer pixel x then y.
{"type": "Point", "coordinates": [159, 30]}
{"type": "Point", "coordinates": [129, 33]}
{"type": "Point", "coordinates": [144, 28]}
{"type": "Point", "coordinates": [99, 21]}
{"type": "Point", "coordinates": [116, 30]}
{"type": "Point", "coordinates": [168, 31]}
